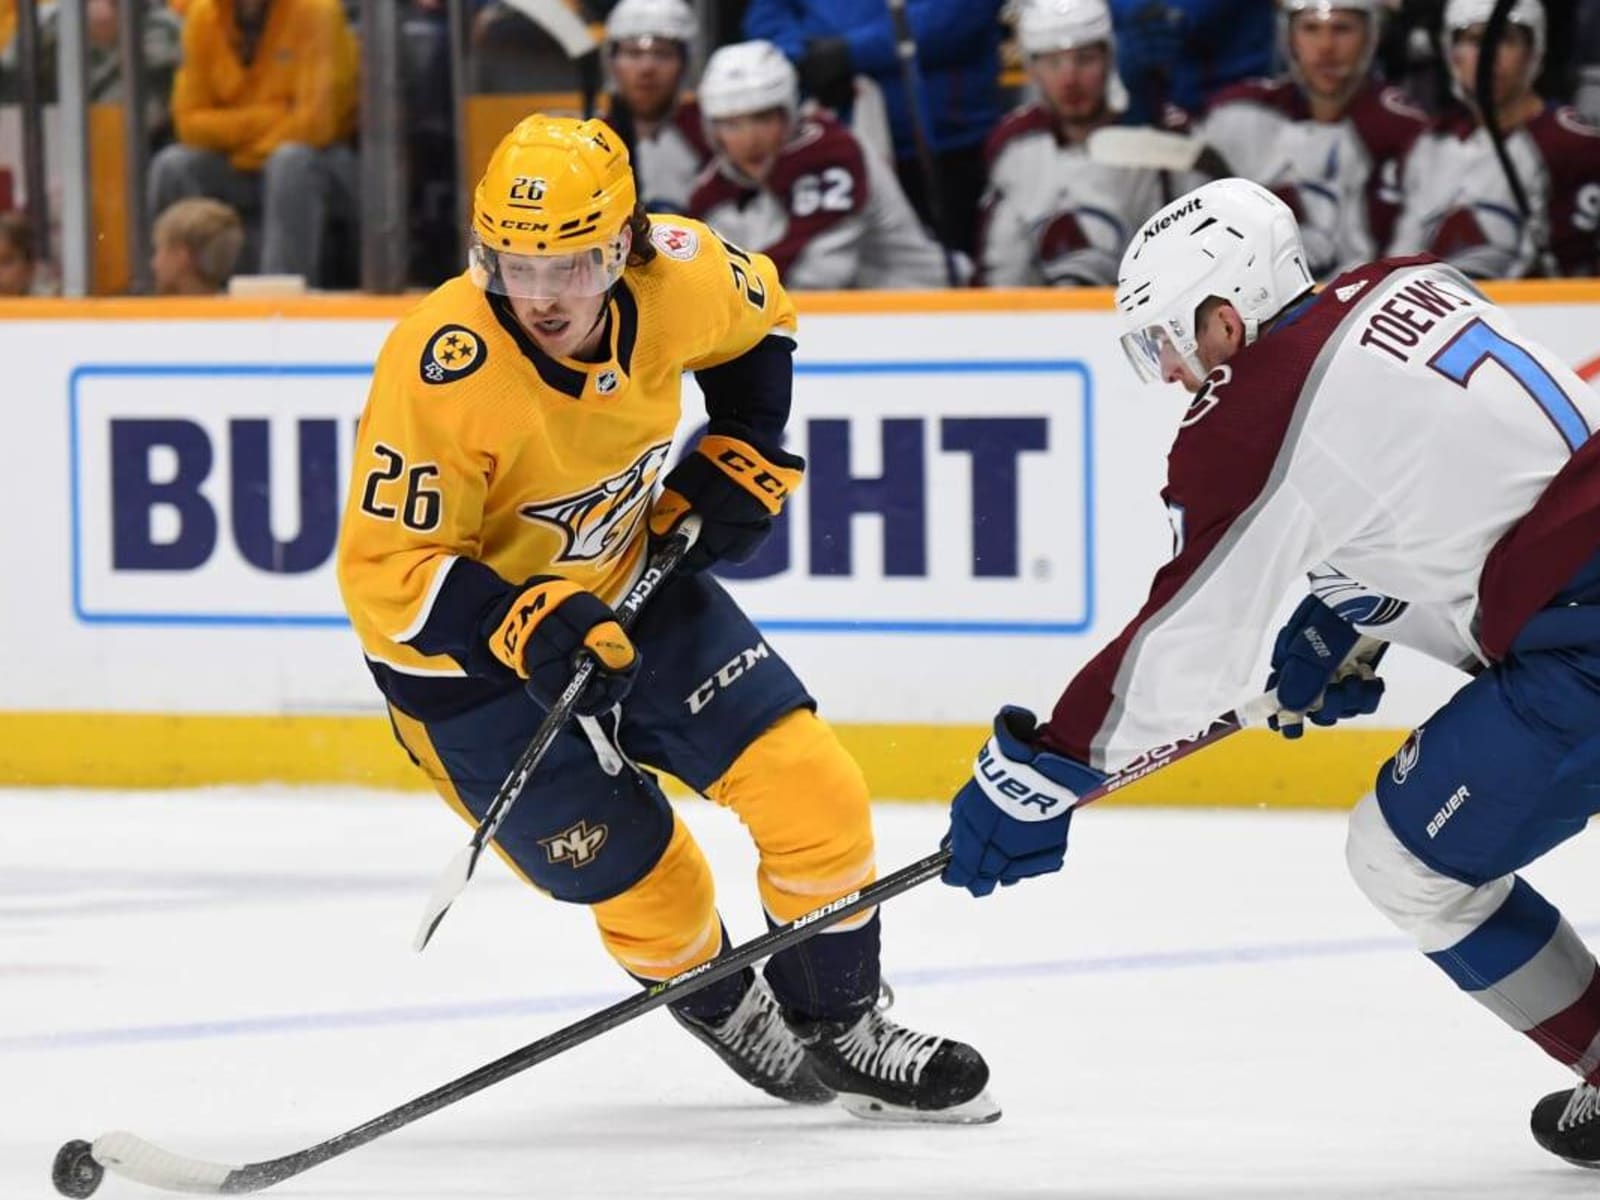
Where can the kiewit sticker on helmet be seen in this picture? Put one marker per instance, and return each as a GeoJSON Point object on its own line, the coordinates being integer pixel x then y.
{"type": "Point", "coordinates": [453, 353]}
{"type": "Point", "coordinates": [675, 241]}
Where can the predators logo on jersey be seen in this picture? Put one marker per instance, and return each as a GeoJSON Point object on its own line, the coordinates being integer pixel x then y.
{"type": "Point", "coordinates": [453, 353]}
{"type": "Point", "coordinates": [576, 846]}
{"type": "Point", "coordinates": [599, 521]}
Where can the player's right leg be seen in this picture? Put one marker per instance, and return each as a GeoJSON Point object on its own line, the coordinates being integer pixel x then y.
{"type": "Point", "coordinates": [1504, 772]}
{"type": "Point", "coordinates": [722, 711]}
{"type": "Point", "coordinates": [614, 844]}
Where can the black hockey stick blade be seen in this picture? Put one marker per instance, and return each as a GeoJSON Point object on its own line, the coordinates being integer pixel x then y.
{"type": "Point", "coordinates": [455, 877]}
{"type": "Point", "coordinates": [133, 1157]}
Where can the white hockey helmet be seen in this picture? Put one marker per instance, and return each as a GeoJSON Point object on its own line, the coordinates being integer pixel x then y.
{"type": "Point", "coordinates": [1464, 14]}
{"type": "Point", "coordinates": [1373, 10]}
{"type": "Point", "coordinates": [1045, 26]}
{"type": "Point", "coordinates": [1231, 239]}
{"type": "Point", "coordinates": [670, 20]}
{"type": "Point", "coordinates": [748, 77]}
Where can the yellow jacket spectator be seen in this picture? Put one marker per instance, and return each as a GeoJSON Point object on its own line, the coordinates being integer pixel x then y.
{"type": "Point", "coordinates": [299, 84]}
{"type": "Point", "coordinates": [263, 105]}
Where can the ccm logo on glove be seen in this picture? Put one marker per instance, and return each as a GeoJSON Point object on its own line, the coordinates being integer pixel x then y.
{"type": "Point", "coordinates": [769, 484]}
{"type": "Point", "coordinates": [547, 630]}
{"type": "Point", "coordinates": [735, 485]}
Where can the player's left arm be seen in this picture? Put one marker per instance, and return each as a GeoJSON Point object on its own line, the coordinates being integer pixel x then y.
{"type": "Point", "coordinates": [737, 478]}
{"type": "Point", "coordinates": [1187, 656]}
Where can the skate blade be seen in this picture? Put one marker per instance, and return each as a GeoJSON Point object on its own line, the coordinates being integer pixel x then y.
{"type": "Point", "coordinates": [980, 1110]}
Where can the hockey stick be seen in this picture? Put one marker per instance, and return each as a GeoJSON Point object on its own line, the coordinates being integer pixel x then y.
{"type": "Point", "coordinates": [911, 82]}
{"type": "Point", "coordinates": [1160, 149]}
{"type": "Point", "coordinates": [576, 42]}
{"type": "Point", "coordinates": [80, 1165]}
{"type": "Point", "coordinates": [458, 874]}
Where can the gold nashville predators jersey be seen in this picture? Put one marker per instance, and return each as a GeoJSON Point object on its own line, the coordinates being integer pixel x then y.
{"type": "Point", "coordinates": [478, 451]}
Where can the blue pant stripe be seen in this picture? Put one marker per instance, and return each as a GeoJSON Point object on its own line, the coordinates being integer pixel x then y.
{"type": "Point", "coordinates": [1507, 941]}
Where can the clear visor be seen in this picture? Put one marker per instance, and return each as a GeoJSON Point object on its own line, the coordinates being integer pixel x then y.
{"type": "Point", "coordinates": [1156, 357]}
{"type": "Point", "coordinates": [589, 272]}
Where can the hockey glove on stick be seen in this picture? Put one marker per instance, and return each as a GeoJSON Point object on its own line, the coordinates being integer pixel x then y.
{"type": "Point", "coordinates": [736, 484]}
{"type": "Point", "coordinates": [1322, 669]}
{"type": "Point", "coordinates": [1009, 821]}
{"type": "Point", "coordinates": [548, 629]}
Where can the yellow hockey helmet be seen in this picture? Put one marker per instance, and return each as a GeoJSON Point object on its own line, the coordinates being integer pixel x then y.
{"type": "Point", "coordinates": [551, 213]}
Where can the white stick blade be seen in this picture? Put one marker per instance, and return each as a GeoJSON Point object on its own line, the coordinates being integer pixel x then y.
{"type": "Point", "coordinates": [451, 884]}
{"type": "Point", "coordinates": [134, 1158]}
{"type": "Point", "coordinates": [1140, 146]}
{"type": "Point", "coordinates": [560, 22]}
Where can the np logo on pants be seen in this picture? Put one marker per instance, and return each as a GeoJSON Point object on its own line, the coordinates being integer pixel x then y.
{"type": "Point", "coordinates": [577, 846]}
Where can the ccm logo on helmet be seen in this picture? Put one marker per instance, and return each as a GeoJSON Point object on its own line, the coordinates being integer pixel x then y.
{"type": "Point", "coordinates": [525, 226]}
{"type": "Point", "coordinates": [1177, 214]}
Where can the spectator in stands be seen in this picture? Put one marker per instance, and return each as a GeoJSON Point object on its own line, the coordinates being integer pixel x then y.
{"type": "Point", "coordinates": [1461, 204]}
{"type": "Point", "coordinates": [1182, 52]}
{"type": "Point", "coordinates": [648, 43]}
{"type": "Point", "coordinates": [197, 245]}
{"type": "Point", "coordinates": [799, 187]}
{"type": "Point", "coordinates": [958, 45]}
{"type": "Point", "coordinates": [19, 256]}
{"type": "Point", "coordinates": [1327, 137]}
{"type": "Point", "coordinates": [264, 105]}
{"type": "Point", "coordinates": [162, 29]}
{"type": "Point", "coordinates": [1052, 215]}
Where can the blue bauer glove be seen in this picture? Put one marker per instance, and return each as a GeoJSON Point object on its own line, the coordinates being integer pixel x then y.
{"type": "Point", "coordinates": [1311, 673]}
{"type": "Point", "coordinates": [1009, 821]}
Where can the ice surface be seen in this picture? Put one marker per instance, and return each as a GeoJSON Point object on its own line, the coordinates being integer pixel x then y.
{"type": "Point", "coordinates": [1201, 1005]}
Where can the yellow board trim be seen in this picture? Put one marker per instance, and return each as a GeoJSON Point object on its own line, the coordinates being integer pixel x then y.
{"type": "Point", "coordinates": [1325, 769]}
{"type": "Point", "coordinates": [350, 306]}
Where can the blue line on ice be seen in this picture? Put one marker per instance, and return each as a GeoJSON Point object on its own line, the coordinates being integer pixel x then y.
{"type": "Point", "coordinates": [1158, 960]}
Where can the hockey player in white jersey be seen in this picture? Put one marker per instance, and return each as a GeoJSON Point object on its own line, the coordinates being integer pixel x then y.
{"type": "Point", "coordinates": [1051, 215]}
{"type": "Point", "coordinates": [799, 187]}
{"type": "Point", "coordinates": [648, 44]}
{"type": "Point", "coordinates": [1327, 137]}
{"type": "Point", "coordinates": [1459, 203]}
{"type": "Point", "coordinates": [1396, 428]}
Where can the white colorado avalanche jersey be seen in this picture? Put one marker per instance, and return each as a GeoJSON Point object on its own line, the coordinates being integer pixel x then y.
{"type": "Point", "coordinates": [830, 214]}
{"type": "Point", "coordinates": [1399, 429]}
{"type": "Point", "coordinates": [1050, 216]}
{"type": "Point", "coordinates": [1341, 178]}
{"type": "Point", "coordinates": [667, 160]}
{"type": "Point", "coordinates": [1460, 206]}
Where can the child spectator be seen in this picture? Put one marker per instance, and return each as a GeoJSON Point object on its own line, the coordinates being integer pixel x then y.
{"type": "Point", "coordinates": [197, 245]}
{"type": "Point", "coordinates": [19, 256]}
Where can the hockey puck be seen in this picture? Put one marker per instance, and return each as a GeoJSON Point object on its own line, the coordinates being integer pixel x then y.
{"type": "Point", "coordinates": [76, 1173]}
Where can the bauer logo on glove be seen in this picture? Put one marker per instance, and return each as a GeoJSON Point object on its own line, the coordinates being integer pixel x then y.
{"type": "Point", "coordinates": [1010, 819]}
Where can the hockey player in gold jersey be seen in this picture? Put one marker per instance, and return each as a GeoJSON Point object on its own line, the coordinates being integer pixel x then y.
{"type": "Point", "coordinates": [504, 496]}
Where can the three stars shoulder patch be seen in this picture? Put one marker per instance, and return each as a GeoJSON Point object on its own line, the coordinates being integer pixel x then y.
{"type": "Point", "coordinates": [453, 353]}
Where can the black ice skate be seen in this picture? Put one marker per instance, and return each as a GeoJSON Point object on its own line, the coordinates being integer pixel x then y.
{"type": "Point", "coordinates": [756, 1043]}
{"type": "Point", "coordinates": [886, 1072]}
{"type": "Point", "coordinates": [1568, 1125]}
